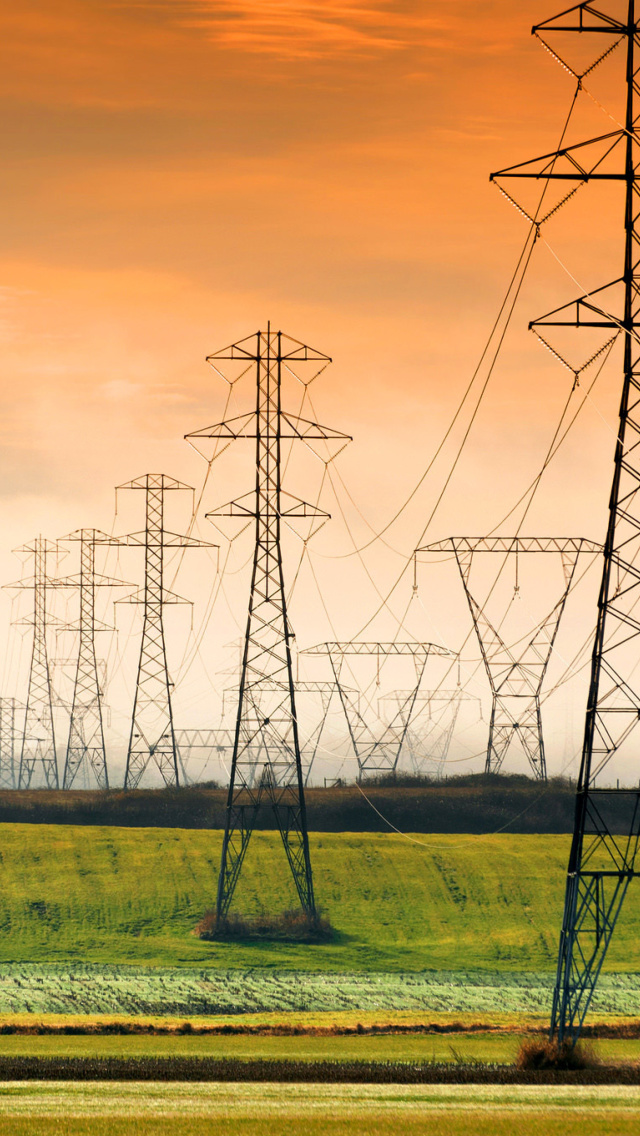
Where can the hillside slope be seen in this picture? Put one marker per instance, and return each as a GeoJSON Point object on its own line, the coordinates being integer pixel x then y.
{"type": "Point", "coordinates": [109, 895]}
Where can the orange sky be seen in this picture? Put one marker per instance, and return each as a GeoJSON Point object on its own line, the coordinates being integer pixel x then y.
{"type": "Point", "coordinates": [176, 173]}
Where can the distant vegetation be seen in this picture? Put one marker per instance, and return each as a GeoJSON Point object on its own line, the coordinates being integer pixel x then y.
{"type": "Point", "coordinates": [472, 804]}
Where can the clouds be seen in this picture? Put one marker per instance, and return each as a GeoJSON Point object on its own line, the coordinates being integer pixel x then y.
{"type": "Point", "coordinates": [320, 29]}
{"type": "Point", "coordinates": [177, 172]}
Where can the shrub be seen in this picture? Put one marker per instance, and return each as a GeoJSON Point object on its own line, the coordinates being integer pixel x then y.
{"type": "Point", "coordinates": [541, 1053]}
{"type": "Point", "coordinates": [293, 926]}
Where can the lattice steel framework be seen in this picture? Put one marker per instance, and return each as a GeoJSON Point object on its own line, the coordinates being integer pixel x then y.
{"type": "Point", "coordinates": [603, 858]}
{"type": "Point", "coordinates": [267, 718]}
{"type": "Point", "coordinates": [86, 751]}
{"type": "Point", "coordinates": [152, 738]}
{"type": "Point", "coordinates": [428, 740]}
{"type": "Point", "coordinates": [38, 750]}
{"type": "Point", "coordinates": [309, 747]}
{"type": "Point", "coordinates": [11, 731]}
{"type": "Point", "coordinates": [218, 741]}
{"type": "Point", "coordinates": [325, 692]}
{"type": "Point", "coordinates": [377, 751]}
{"type": "Point", "coordinates": [515, 678]}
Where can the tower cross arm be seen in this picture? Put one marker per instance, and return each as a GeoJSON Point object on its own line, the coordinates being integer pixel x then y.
{"type": "Point", "coordinates": [355, 647]}
{"type": "Point", "coordinates": [574, 544]}
{"type": "Point", "coordinates": [573, 169]}
{"type": "Point", "coordinates": [140, 597]}
{"type": "Point", "coordinates": [97, 581]}
{"type": "Point", "coordinates": [154, 481]}
{"type": "Point", "coordinates": [176, 540]}
{"type": "Point", "coordinates": [290, 506]}
{"type": "Point", "coordinates": [91, 536]}
{"type": "Point", "coordinates": [604, 24]}
{"type": "Point", "coordinates": [169, 540]}
{"type": "Point", "coordinates": [242, 426]}
{"type": "Point", "coordinates": [204, 739]}
{"type": "Point", "coordinates": [252, 348]}
{"type": "Point", "coordinates": [574, 312]}
{"type": "Point", "coordinates": [306, 430]}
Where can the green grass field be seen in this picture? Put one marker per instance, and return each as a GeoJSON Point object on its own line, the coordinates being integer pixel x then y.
{"type": "Point", "coordinates": [489, 1047]}
{"type": "Point", "coordinates": [109, 895]}
{"type": "Point", "coordinates": [117, 1109]}
{"type": "Point", "coordinates": [100, 920]}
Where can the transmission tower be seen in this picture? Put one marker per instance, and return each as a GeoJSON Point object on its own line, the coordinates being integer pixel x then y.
{"type": "Point", "coordinates": [377, 751]}
{"type": "Point", "coordinates": [324, 692]}
{"type": "Point", "coordinates": [86, 751]}
{"type": "Point", "coordinates": [266, 717]}
{"type": "Point", "coordinates": [218, 741]}
{"type": "Point", "coordinates": [10, 741]}
{"type": "Point", "coordinates": [38, 750]}
{"type": "Point", "coordinates": [603, 858]}
{"type": "Point", "coordinates": [429, 739]}
{"type": "Point", "coordinates": [515, 678]}
{"type": "Point", "coordinates": [152, 737]}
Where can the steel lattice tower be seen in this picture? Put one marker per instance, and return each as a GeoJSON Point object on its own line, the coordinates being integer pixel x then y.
{"type": "Point", "coordinates": [152, 737]}
{"type": "Point", "coordinates": [324, 692]}
{"type": "Point", "coordinates": [10, 735]}
{"type": "Point", "coordinates": [515, 678]}
{"type": "Point", "coordinates": [377, 752]}
{"type": "Point", "coordinates": [86, 747]}
{"type": "Point", "coordinates": [434, 722]}
{"type": "Point", "coordinates": [266, 718]}
{"type": "Point", "coordinates": [38, 750]}
{"type": "Point", "coordinates": [603, 858]}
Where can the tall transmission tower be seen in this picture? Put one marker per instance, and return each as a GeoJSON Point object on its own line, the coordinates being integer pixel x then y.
{"type": "Point", "coordinates": [86, 752]}
{"type": "Point", "coordinates": [603, 858]}
{"type": "Point", "coordinates": [266, 717]}
{"type": "Point", "coordinates": [11, 731]}
{"type": "Point", "coordinates": [38, 750]}
{"type": "Point", "coordinates": [152, 737]}
{"type": "Point", "coordinates": [377, 751]}
{"type": "Point", "coordinates": [515, 677]}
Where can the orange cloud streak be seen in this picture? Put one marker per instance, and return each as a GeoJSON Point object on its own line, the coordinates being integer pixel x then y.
{"type": "Point", "coordinates": [303, 29]}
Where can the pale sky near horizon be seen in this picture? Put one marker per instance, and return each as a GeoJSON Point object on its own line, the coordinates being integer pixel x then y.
{"type": "Point", "coordinates": [177, 172]}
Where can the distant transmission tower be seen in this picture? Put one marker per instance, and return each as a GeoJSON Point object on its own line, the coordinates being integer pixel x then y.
{"type": "Point", "coordinates": [266, 717]}
{"type": "Point", "coordinates": [324, 692]}
{"type": "Point", "coordinates": [152, 737]}
{"type": "Point", "coordinates": [603, 858]}
{"type": "Point", "coordinates": [434, 722]}
{"type": "Point", "coordinates": [38, 750]}
{"type": "Point", "coordinates": [377, 751]}
{"type": "Point", "coordinates": [10, 740]}
{"type": "Point", "coordinates": [86, 751]}
{"type": "Point", "coordinates": [209, 742]}
{"type": "Point", "coordinates": [515, 677]}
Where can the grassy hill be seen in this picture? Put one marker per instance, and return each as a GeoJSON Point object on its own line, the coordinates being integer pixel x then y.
{"type": "Point", "coordinates": [133, 895]}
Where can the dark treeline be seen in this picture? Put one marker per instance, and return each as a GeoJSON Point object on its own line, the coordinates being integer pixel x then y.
{"type": "Point", "coordinates": [469, 804]}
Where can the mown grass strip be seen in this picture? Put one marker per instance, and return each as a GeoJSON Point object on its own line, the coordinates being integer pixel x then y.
{"type": "Point", "coordinates": [289, 1020]}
